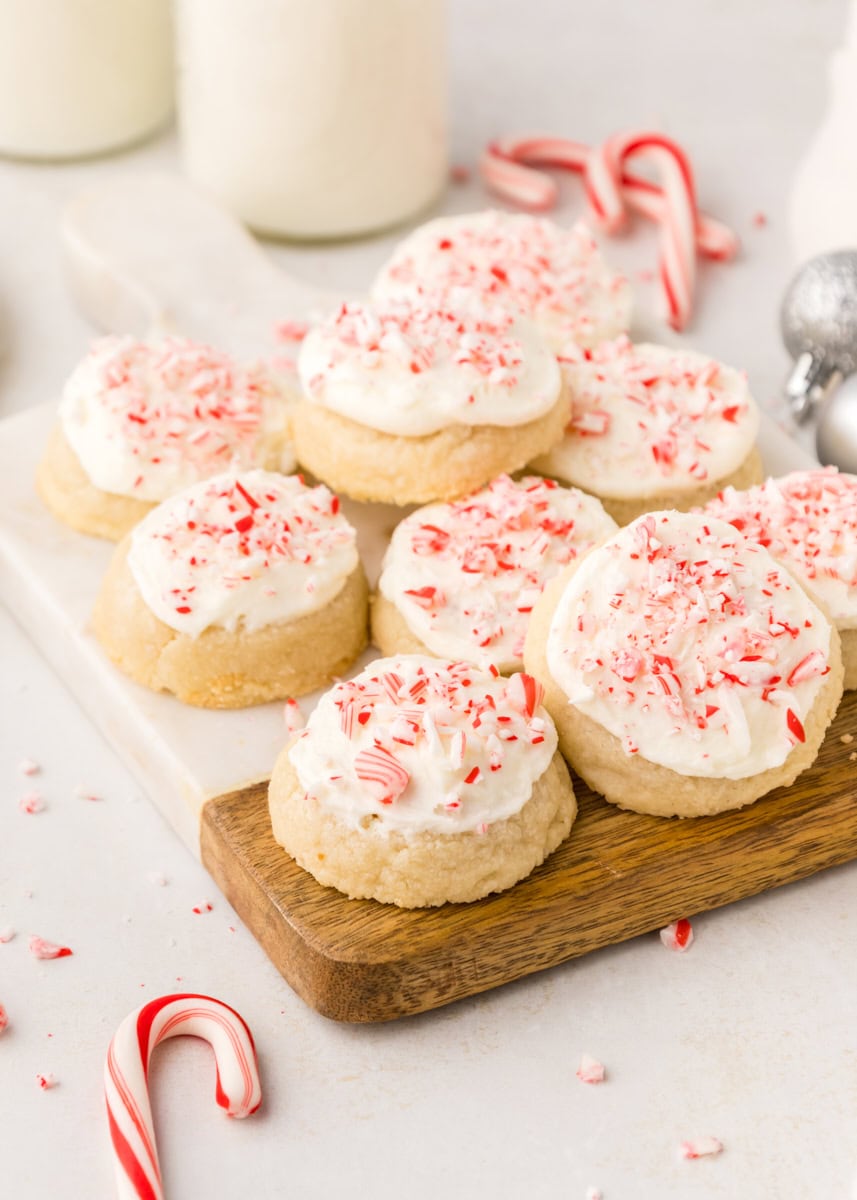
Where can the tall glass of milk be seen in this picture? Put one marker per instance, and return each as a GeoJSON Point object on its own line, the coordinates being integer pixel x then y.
{"type": "Point", "coordinates": [314, 118]}
{"type": "Point", "coordinates": [81, 77]}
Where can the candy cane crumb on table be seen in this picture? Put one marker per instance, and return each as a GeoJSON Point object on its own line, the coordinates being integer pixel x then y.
{"type": "Point", "coordinates": [678, 936]}
{"type": "Point", "coordinates": [701, 1147]}
{"type": "Point", "coordinates": [126, 1074]}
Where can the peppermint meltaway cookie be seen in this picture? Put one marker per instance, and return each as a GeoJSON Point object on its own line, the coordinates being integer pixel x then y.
{"type": "Point", "coordinates": [242, 589]}
{"type": "Point", "coordinates": [687, 671]}
{"type": "Point", "coordinates": [406, 404]}
{"type": "Point", "coordinates": [139, 421]}
{"type": "Point", "coordinates": [522, 264]}
{"type": "Point", "coordinates": [459, 580]}
{"type": "Point", "coordinates": [422, 781]}
{"type": "Point", "coordinates": [654, 428]}
{"type": "Point", "coordinates": [808, 522]}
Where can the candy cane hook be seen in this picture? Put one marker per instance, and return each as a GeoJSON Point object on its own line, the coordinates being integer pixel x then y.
{"type": "Point", "coordinates": [126, 1074]}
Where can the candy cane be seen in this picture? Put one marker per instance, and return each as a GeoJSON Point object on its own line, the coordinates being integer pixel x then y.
{"type": "Point", "coordinates": [678, 224]}
{"type": "Point", "coordinates": [507, 167]}
{"type": "Point", "coordinates": [126, 1074]}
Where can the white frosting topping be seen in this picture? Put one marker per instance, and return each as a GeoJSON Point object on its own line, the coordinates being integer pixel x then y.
{"type": "Point", "coordinates": [147, 419]}
{"type": "Point", "coordinates": [416, 744]}
{"type": "Point", "coordinates": [465, 575]}
{"type": "Point", "coordinates": [692, 645]}
{"type": "Point", "coordinates": [647, 419]}
{"type": "Point", "coordinates": [525, 265]}
{"type": "Point", "coordinates": [414, 370]}
{"type": "Point", "coordinates": [808, 521]}
{"type": "Point", "coordinates": [252, 548]}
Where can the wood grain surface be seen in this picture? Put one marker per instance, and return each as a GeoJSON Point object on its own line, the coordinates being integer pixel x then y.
{"type": "Point", "coordinates": [617, 875]}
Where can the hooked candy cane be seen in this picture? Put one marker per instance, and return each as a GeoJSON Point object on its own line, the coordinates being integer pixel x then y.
{"type": "Point", "coordinates": [126, 1074]}
{"type": "Point", "coordinates": [507, 167]}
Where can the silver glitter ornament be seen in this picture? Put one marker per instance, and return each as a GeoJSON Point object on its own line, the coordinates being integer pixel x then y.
{"type": "Point", "coordinates": [818, 319]}
{"type": "Point", "coordinates": [836, 434]}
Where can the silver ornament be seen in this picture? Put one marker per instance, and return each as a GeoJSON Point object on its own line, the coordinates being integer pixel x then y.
{"type": "Point", "coordinates": [818, 319]}
{"type": "Point", "coordinates": [836, 434]}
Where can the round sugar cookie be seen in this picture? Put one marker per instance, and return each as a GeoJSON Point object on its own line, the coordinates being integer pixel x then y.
{"type": "Point", "coordinates": [405, 404]}
{"type": "Point", "coordinates": [459, 580]}
{"type": "Point", "coordinates": [242, 589]}
{"type": "Point", "coordinates": [140, 420]}
{"type": "Point", "coordinates": [808, 522]}
{"type": "Point", "coordinates": [653, 428]}
{"type": "Point", "coordinates": [524, 265]}
{"type": "Point", "coordinates": [421, 782]}
{"type": "Point", "coordinates": [688, 673]}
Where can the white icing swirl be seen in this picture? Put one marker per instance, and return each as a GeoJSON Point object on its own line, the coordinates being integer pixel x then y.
{"type": "Point", "coordinates": [413, 371]}
{"type": "Point", "coordinates": [421, 745]}
{"type": "Point", "coordinates": [524, 265]}
{"type": "Point", "coordinates": [808, 521]}
{"type": "Point", "coordinates": [253, 549]}
{"type": "Point", "coordinates": [692, 645]}
{"type": "Point", "coordinates": [465, 575]}
{"type": "Point", "coordinates": [647, 419]}
{"type": "Point", "coordinates": [147, 419]}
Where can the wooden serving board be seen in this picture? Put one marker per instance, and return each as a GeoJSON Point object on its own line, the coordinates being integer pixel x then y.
{"type": "Point", "coordinates": [617, 875]}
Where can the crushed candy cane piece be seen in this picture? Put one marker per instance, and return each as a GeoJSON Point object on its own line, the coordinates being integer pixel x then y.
{"type": "Point", "coordinates": [594, 1193]}
{"type": "Point", "coordinates": [700, 1147]}
{"type": "Point", "coordinates": [158, 878]}
{"type": "Point", "coordinates": [678, 936]}
{"type": "Point", "coordinates": [39, 948]}
{"type": "Point", "coordinates": [83, 793]}
{"type": "Point", "coordinates": [293, 716]}
{"type": "Point", "coordinates": [27, 767]}
{"type": "Point", "coordinates": [4, 1018]}
{"type": "Point", "coordinates": [590, 1070]}
{"type": "Point", "coordinates": [46, 1082]}
{"type": "Point", "coordinates": [32, 802]}
{"type": "Point", "coordinates": [6, 934]}
{"type": "Point", "coordinates": [205, 907]}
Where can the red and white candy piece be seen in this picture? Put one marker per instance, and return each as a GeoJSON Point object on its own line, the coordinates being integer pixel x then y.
{"type": "Point", "coordinates": [508, 167]}
{"type": "Point", "coordinates": [700, 1147]}
{"type": "Point", "coordinates": [126, 1077]}
{"type": "Point", "coordinates": [4, 1018]}
{"type": "Point", "coordinates": [590, 1070]}
{"type": "Point", "coordinates": [678, 936]}
{"type": "Point", "coordinates": [39, 948]}
{"type": "Point", "coordinates": [382, 771]}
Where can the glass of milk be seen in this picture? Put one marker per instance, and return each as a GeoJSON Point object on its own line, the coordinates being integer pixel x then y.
{"type": "Point", "coordinates": [314, 118]}
{"type": "Point", "coordinates": [82, 77]}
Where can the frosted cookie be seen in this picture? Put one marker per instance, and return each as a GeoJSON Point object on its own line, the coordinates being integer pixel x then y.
{"type": "Point", "coordinates": [525, 265]}
{"type": "Point", "coordinates": [459, 580]}
{"type": "Point", "coordinates": [687, 671]}
{"type": "Point", "coordinates": [654, 428]}
{"type": "Point", "coordinates": [420, 782]}
{"type": "Point", "coordinates": [242, 589]}
{"type": "Point", "coordinates": [808, 522]}
{"type": "Point", "coordinates": [139, 421]}
{"type": "Point", "coordinates": [407, 405]}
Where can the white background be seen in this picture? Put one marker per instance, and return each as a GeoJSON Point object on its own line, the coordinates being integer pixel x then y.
{"type": "Point", "coordinates": [750, 1036]}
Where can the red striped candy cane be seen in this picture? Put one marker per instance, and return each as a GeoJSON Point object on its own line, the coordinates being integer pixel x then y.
{"type": "Point", "coordinates": [126, 1078]}
{"type": "Point", "coordinates": [510, 167]}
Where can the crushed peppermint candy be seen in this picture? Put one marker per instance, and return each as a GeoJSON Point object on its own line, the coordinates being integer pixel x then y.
{"type": "Point", "coordinates": [521, 264]}
{"type": "Point", "coordinates": [646, 417]}
{"type": "Point", "coordinates": [253, 546]}
{"type": "Point", "coordinates": [594, 1193]}
{"type": "Point", "coordinates": [806, 520]}
{"type": "Point", "coordinates": [466, 575]}
{"type": "Point", "coordinates": [148, 418]}
{"type": "Point", "coordinates": [39, 948]}
{"type": "Point", "coordinates": [85, 793]}
{"type": "Point", "coordinates": [32, 802]}
{"type": "Point", "coordinates": [28, 767]}
{"type": "Point", "coordinates": [204, 907]}
{"type": "Point", "coordinates": [46, 1082]}
{"type": "Point", "coordinates": [590, 1070]}
{"type": "Point", "coordinates": [701, 1147]}
{"type": "Point", "coordinates": [689, 643]}
{"type": "Point", "coordinates": [423, 743]}
{"type": "Point", "coordinates": [4, 1019]}
{"type": "Point", "coordinates": [677, 936]}
{"type": "Point", "coordinates": [6, 934]}
{"type": "Point", "coordinates": [293, 717]}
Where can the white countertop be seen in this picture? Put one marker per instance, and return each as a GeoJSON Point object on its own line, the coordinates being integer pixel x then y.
{"type": "Point", "coordinates": [749, 1037]}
